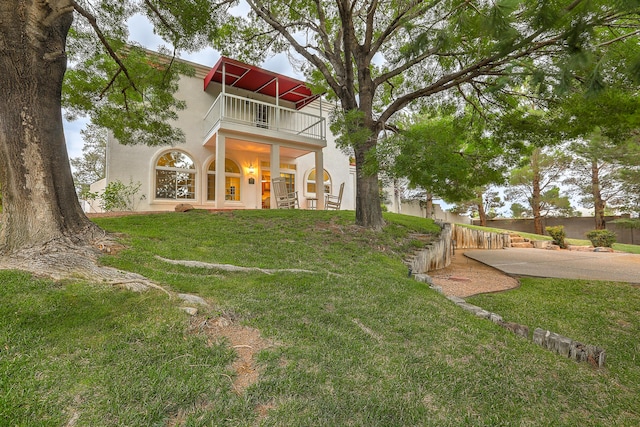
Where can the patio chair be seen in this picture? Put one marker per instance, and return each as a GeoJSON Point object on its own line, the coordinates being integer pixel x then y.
{"type": "Point", "coordinates": [333, 202]}
{"type": "Point", "coordinates": [285, 199]}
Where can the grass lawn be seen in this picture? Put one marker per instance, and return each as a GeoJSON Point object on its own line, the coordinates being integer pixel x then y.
{"type": "Point", "coordinates": [356, 341]}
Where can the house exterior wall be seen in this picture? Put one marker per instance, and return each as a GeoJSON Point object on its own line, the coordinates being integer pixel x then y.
{"type": "Point", "coordinates": [137, 163]}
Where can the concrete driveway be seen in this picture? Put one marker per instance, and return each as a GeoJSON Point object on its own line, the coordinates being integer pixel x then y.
{"type": "Point", "coordinates": [616, 267]}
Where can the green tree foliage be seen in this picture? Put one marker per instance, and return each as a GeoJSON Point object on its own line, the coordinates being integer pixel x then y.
{"type": "Point", "coordinates": [614, 113]}
{"type": "Point", "coordinates": [535, 184]}
{"type": "Point", "coordinates": [90, 167]}
{"type": "Point", "coordinates": [447, 155]}
{"type": "Point", "coordinates": [484, 206]}
{"type": "Point", "coordinates": [379, 57]}
{"type": "Point", "coordinates": [631, 177]}
{"type": "Point", "coordinates": [518, 210]}
{"type": "Point", "coordinates": [120, 85]}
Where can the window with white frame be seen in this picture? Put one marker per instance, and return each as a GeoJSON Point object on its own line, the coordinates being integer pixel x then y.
{"type": "Point", "coordinates": [312, 180]}
{"type": "Point", "coordinates": [175, 176]}
{"type": "Point", "coordinates": [231, 178]}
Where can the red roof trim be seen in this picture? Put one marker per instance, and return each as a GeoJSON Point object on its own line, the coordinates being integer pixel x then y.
{"type": "Point", "coordinates": [259, 80]}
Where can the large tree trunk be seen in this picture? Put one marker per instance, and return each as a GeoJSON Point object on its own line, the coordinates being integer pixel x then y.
{"type": "Point", "coordinates": [598, 204]}
{"type": "Point", "coordinates": [536, 193]}
{"type": "Point", "coordinates": [429, 205]}
{"type": "Point", "coordinates": [482, 214]}
{"type": "Point", "coordinates": [40, 206]}
{"type": "Point", "coordinates": [368, 209]}
{"type": "Point", "coordinates": [368, 204]}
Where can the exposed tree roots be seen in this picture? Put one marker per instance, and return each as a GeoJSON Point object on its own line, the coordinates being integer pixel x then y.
{"type": "Point", "coordinates": [233, 268]}
{"type": "Point", "coordinates": [66, 259]}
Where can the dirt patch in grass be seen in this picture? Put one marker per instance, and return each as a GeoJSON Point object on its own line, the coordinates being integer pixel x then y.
{"type": "Point", "coordinates": [466, 277]}
{"type": "Point", "coordinates": [246, 342]}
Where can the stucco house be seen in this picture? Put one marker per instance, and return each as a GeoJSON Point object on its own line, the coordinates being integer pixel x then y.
{"type": "Point", "coordinates": [243, 125]}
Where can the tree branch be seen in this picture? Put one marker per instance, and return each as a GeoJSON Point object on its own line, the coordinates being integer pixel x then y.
{"type": "Point", "coordinates": [94, 24]}
{"type": "Point", "coordinates": [113, 79]}
{"type": "Point", "coordinates": [465, 75]}
{"type": "Point", "coordinates": [162, 19]}
{"type": "Point", "coordinates": [617, 39]}
{"type": "Point", "coordinates": [260, 9]}
{"type": "Point", "coordinates": [395, 24]}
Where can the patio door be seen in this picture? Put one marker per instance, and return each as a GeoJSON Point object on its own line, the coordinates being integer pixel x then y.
{"type": "Point", "coordinates": [265, 179]}
{"type": "Point", "coordinates": [266, 189]}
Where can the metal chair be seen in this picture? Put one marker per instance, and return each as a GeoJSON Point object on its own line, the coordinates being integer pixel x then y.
{"type": "Point", "coordinates": [285, 199]}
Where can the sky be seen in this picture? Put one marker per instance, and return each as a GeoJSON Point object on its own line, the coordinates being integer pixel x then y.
{"type": "Point", "coordinates": [141, 31]}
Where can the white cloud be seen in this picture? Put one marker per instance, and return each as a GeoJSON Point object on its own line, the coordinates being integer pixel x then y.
{"type": "Point", "coordinates": [141, 31]}
{"type": "Point", "coordinates": [208, 57]}
{"type": "Point", "coordinates": [281, 65]}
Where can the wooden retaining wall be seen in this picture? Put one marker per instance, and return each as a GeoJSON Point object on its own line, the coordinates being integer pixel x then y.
{"type": "Point", "coordinates": [467, 238]}
{"type": "Point", "coordinates": [438, 254]}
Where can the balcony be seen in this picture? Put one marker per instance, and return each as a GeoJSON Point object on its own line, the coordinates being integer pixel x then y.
{"type": "Point", "coordinates": [232, 112]}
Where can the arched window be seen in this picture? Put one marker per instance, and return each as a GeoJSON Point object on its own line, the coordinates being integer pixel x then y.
{"type": "Point", "coordinates": [232, 180]}
{"type": "Point", "coordinates": [312, 179]}
{"type": "Point", "coordinates": [175, 176]}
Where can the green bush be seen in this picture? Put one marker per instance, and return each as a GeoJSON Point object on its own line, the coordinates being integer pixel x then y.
{"type": "Point", "coordinates": [602, 238]}
{"type": "Point", "coordinates": [558, 235]}
{"type": "Point", "coordinates": [118, 196]}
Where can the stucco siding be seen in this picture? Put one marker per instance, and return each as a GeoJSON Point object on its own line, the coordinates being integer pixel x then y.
{"type": "Point", "coordinates": [137, 163]}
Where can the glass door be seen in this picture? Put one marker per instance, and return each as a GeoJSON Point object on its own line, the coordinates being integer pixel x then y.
{"type": "Point", "coordinates": [266, 189]}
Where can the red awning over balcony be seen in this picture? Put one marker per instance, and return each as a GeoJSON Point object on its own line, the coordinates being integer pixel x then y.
{"type": "Point", "coordinates": [255, 79]}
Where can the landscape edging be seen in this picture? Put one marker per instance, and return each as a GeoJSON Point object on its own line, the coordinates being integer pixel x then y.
{"type": "Point", "coordinates": [552, 341]}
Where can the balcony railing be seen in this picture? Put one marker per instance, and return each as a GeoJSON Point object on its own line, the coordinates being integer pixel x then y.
{"type": "Point", "coordinates": [258, 114]}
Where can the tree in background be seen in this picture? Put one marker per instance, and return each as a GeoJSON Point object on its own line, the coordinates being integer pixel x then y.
{"type": "Point", "coordinates": [90, 167]}
{"type": "Point", "coordinates": [407, 191]}
{"type": "Point", "coordinates": [379, 57]}
{"type": "Point", "coordinates": [535, 184]}
{"type": "Point", "coordinates": [518, 210]}
{"type": "Point", "coordinates": [484, 206]}
{"type": "Point", "coordinates": [631, 177]}
{"type": "Point", "coordinates": [596, 175]}
{"type": "Point", "coordinates": [603, 127]}
{"type": "Point", "coordinates": [446, 154]}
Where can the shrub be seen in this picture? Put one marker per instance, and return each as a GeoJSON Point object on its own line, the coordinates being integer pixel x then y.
{"type": "Point", "coordinates": [118, 196]}
{"type": "Point", "coordinates": [602, 238]}
{"type": "Point", "coordinates": [558, 235]}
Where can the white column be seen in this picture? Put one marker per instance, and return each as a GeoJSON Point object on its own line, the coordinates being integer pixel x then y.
{"type": "Point", "coordinates": [275, 169]}
{"type": "Point", "coordinates": [224, 96]}
{"type": "Point", "coordinates": [220, 174]}
{"type": "Point", "coordinates": [277, 104]}
{"type": "Point", "coordinates": [320, 180]}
